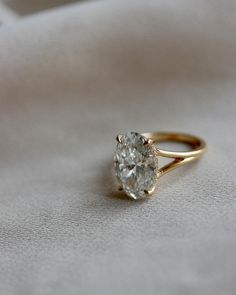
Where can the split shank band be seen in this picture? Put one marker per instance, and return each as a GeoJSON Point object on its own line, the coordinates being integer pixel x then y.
{"type": "Point", "coordinates": [198, 148]}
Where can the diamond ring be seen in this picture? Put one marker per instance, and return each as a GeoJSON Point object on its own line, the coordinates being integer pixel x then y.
{"type": "Point", "coordinates": [136, 159]}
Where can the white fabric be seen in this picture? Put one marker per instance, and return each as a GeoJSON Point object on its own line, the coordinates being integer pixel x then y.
{"type": "Point", "coordinates": [70, 80]}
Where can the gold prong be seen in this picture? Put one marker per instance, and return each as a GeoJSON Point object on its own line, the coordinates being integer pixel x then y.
{"type": "Point", "coordinates": [149, 192]}
{"type": "Point", "coordinates": [148, 141]}
{"type": "Point", "coordinates": [119, 138]}
{"type": "Point", "coordinates": [120, 188]}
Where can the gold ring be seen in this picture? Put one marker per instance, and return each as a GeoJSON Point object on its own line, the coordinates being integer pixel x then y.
{"type": "Point", "coordinates": [136, 159]}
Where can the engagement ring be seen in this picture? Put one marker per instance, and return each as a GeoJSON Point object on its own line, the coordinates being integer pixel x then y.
{"type": "Point", "coordinates": [136, 159]}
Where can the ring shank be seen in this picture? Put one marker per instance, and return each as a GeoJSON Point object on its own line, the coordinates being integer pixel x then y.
{"type": "Point", "coordinates": [198, 148]}
{"type": "Point", "coordinates": [198, 145]}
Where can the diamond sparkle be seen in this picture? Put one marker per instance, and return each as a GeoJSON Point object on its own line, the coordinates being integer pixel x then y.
{"type": "Point", "coordinates": [136, 165]}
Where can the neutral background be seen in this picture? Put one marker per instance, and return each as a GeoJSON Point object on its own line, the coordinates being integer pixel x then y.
{"type": "Point", "coordinates": [71, 78]}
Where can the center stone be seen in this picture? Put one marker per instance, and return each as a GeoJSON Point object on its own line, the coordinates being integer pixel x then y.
{"type": "Point", "coordinates": [136, 165]}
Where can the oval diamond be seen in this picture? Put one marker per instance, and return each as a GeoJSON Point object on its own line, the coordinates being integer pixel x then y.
{"type": "Point", "coordinates": [136, 165]}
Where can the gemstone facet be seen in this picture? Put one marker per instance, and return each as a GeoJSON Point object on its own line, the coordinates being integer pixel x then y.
{"type": "Point", "coordinates": [136, 165]}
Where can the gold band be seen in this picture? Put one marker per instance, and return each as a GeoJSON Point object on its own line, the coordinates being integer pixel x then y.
{"type": "Point", "coordinates": [198, 148]}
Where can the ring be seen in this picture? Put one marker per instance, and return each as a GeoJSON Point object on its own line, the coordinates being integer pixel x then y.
{"type": "Point", "coordinates": [136, 159]}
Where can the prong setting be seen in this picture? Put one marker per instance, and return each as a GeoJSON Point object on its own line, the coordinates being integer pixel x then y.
{"type": "Point", "coordinates": [148, 141]}
{"type": "Point", "coordinates": [120, 188]}
{"type": "Point", "coordinates": [149, 192]}
{"type": "Point", "coordinates": [119, 138]}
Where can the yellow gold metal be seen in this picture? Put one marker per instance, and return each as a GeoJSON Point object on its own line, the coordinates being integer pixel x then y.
{"type": "Point", "coordinates": [150, 192]}
{"type": "Point", "coordinates": [198, 148]}
{"type": "Point", "coordinates": [120, 188]}
{"type": "Point", "coordinates": [148, 141]}
{"type": "Point", "coordinates": [119, 138]}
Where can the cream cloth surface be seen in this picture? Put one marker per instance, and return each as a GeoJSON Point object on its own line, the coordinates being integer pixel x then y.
{"type": "Point", "coordinates": [71, 78]}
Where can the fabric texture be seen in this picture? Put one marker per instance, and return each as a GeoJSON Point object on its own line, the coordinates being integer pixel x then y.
{"type": "Point", "coordinates": [71, 78]}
